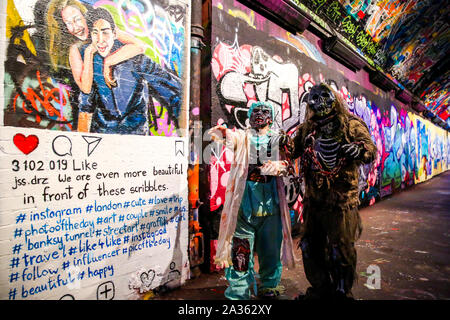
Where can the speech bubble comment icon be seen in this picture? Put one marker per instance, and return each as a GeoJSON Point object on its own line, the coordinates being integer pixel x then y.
{"type": "Point", "coordinates": [62, 146]}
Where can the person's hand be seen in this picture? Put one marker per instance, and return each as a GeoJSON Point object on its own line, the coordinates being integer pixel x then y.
{"type": "Point", "coordinates": [222, 129]}
{"type": "Point", "coordinates": [309, 140]}
{"type": "Point", "coordinates": [284, 138]}
{"type": "Point", "coordinates": [286, 143]}
{"type": "Point", "coordinates": [91, 49]}
{"type": "Point", "coordinates": [351, 150]}
{"type": "Point", "coordinates": [108, 74]}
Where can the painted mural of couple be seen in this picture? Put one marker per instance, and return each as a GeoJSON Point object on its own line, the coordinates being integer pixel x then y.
{"type": "Point", "coordinates": [332, 144]}
{"type": "Point", "coordinates": [117, 82]}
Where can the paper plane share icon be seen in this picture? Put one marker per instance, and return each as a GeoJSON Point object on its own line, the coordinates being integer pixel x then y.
{"type": "Point", "coordinates": [92, 143]}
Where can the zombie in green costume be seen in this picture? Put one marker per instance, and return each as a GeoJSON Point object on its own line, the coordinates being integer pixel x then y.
{"type": "Point", "coordinates": [332, 144]}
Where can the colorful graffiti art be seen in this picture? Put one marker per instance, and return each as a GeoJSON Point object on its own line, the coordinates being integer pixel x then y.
{"type": "Point", "coordinates": [437, 97]}
{"type": "Point", "coordinates": [63, 73]}
{"type": "Point", "coordinates": [252, 59]}
{"type": "Point", "coordinates": [265, 70]}
{"type": "Point", "coordinates": [418, 42]}
{"type": "Point", "coordinates": [247, 74]}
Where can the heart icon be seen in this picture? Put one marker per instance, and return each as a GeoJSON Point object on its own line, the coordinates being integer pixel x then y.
{"type": "Point", "coordinates": [147, 278]}
{"type": "Point", "coordinates": [26, 144]}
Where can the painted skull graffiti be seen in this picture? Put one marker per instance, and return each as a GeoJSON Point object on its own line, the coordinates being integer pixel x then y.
{"type": "Point", "coordinates": [260, 60]}
{"type": "Point", "coordinates": [247, 74]}
{"type": "Point", "coordinates": [321, 100]}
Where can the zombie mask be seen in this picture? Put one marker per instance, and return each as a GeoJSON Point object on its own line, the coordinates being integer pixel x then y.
{"type": "Point", "coordinates": [260, 114]}
{"type": "Point", "coordinates": [321, 100]}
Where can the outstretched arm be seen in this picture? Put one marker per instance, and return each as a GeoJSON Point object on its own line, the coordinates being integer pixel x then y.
{"type": "Point", "coordinates": [220, 133]}
{"type": "Point", "coordinates": [362, 148]}
{"type": "Point", "coordinates": [297, 144]}
{"type": "Point", "coordinates": [82, 69]}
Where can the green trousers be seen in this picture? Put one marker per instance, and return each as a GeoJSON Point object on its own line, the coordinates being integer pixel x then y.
{"type": "Point", "coordinates": [263, 234]}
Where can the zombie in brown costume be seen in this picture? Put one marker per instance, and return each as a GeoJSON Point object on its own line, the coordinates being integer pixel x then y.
{"type": "Point", "coordinates": [332, 144]}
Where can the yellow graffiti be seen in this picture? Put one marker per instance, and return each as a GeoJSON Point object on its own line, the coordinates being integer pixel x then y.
{"type": "Point", "coordinates": [13, 19]}
{"type": "Point", "coordinates": [250, 19]}
{"type": "Point", "coordinates": [387, 14]}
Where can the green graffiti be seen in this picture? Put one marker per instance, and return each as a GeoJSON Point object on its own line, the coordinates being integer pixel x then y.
{"type": "Point", "coordinates": [372, 48]}
{"type": "Point", "coordinates": [349, 27]}
{"type": "Point", "coordinates": [333, 12]}
{"type": "Point", "coordinates": [318, 4]}
{"type": "Point", "coordinates": [362, 40]}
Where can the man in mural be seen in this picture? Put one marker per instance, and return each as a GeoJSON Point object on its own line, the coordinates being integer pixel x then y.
{"type": "Point", "coordinates": [255, 216]}
{"type": "Point", "coordinates": [333, 143]}
{"type": "Point", "coordinates": [126, 108]}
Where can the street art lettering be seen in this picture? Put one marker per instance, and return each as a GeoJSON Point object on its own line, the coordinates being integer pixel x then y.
{"type": "Point", "coordinates": [347, 23]}
{"type": "Point", "coordinates": [437, 97]}
{"type": "Point", "coordinates": [79, 223]}
{"type": "Point", "coordinates": [418, 43]}
{"type": "Point", "coordinates": [73, 228]}
{"type": "Point", "coordinates": [160, 27]}
{"type": "Point", "coordinates": [44, 103]}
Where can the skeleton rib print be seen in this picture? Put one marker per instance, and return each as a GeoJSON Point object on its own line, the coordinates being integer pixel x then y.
{"type": "Point", "coordinates": [327, 151]}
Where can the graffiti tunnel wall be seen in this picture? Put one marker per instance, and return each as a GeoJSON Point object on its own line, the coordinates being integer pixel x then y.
{"type": "Point", "coordinates": [253, 59]}
{"type": "Point", "coordinates": [90, 91]}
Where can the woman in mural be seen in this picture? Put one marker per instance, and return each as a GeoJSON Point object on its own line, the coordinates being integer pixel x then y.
{"type": "Point", "coordinates": [67, 31]}
{"type": "Point", "coordinates": [255, 216]}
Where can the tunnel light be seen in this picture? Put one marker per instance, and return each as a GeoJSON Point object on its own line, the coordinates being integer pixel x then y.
{"type": "Point", "coordinates": [418, 106]}
{"type": "Point", "coordinates": [280, 12]}
{"type": "Point", "coordinates": [428, 114]}
{"type": "Point", "coordinates": [381, 81]}
{"type": "Point", "coordinates": [404, 96]}
{"type": "Point", "coordinates": [338, 50]}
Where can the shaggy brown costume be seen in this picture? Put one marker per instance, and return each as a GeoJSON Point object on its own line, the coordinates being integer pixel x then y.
{"type": "Point", "coordinates": [332, 222]}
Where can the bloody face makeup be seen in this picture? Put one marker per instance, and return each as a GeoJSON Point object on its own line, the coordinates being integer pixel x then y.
{"type": "Point", "coordinates": [261, 116]}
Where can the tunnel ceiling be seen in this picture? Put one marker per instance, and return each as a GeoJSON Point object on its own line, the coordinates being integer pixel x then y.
{"type": "Point", "coordinates": [415, 38]}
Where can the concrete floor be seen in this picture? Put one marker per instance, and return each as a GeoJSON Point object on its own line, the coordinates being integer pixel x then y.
{"type": "Point", "coordinates": [406, 235]}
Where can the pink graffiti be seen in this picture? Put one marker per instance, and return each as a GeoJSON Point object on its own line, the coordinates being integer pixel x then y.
{"type": "Point", "coordinates": [227, 58]}
{"type": "Point", "coordinates": [220, 170]}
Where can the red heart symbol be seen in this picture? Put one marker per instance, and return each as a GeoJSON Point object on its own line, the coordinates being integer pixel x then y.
{"type": "Point", "coordinates": [26, 144]}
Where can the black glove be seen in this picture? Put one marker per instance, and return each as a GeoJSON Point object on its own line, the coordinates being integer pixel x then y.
{"type": "Point", "coordinates": [351, 150]}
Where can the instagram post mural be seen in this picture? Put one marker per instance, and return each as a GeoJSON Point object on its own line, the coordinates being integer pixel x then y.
{"type": "Point", "coordinates": [94, 148]}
